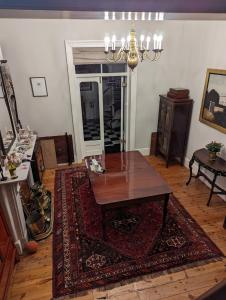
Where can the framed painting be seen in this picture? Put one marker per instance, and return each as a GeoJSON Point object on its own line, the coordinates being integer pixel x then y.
{"type": "Point", "coordinates": [213, 108]}
{"type": "Point", "coordinates": [38, 86]}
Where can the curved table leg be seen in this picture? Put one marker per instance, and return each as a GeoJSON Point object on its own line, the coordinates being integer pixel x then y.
{"type": "Point", "coordinates": [212, 188]}
{"type": "Point", "coordinates": [190, 168]}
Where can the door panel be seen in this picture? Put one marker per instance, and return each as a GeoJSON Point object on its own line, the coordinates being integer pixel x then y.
{"type": "Point", "coordinates": [92, 115]}
{"type": "Point", "coordinates": [112, 108]}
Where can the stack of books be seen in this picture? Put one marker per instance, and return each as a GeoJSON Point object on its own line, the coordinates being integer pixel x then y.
{"type": "Point", "coordinates": [178, 93]}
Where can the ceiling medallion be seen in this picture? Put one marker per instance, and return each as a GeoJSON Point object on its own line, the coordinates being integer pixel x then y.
{"type": "Point", "coordinates": [130, 50]}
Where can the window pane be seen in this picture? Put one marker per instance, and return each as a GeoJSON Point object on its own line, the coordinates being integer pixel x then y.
{"type": "Point", "coordinates": [114, 68]}
{"type": "Point", "coordinates": [87, 69]}
{"type": "Point", "coordinates": [90, 110]}
{"type": "Point", "coordinates": [112, 113]}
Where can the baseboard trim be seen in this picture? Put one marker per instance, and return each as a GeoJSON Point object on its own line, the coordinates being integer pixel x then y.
{"type": "Point", "coordinates": [195, 170]}
{"type": "Point", "coordinates": [144, 151]}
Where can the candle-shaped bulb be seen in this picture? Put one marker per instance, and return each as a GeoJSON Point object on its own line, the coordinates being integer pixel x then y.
{"type": "Point", "coordinates": [149, 16]}
{"type": "Point", "coordinates": [106, 15]}
{"type": "Point", "coordinates": [113, 42]}
{"type": "Point", "coordinates": [161, 16]}
{"type": "Point", "coordinates": [128, 42]}
{"type": "Point", "coordinates": [1, 56]}
{"type": "Point", "coordinates": [135, 16]}
{"type": "Point", "coordinates": [113, 15]}
{"type": "Point", "coordinates": [141, 41]}
{"type": "Point", "coordinates": [143, 16]}
{"type": "Point", "coordinates": [129, 16]}
{"type": "Point", "coordinates": [160, 42]}
{"type": "Point", "coordinates": [106, 43]}
{"type": "Point", "coordinates": [157, 16]}
{"type": "Point", "coordinates": [148, 42]}
{"type": "Point", "coordinates": [123, 43]}
{"type": "Point", "coordinates": [123, 16]}
{"type": "Point", "coordinates": [155, 38]}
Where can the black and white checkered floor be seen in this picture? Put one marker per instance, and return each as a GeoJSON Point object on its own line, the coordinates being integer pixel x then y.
{"type": "Point", "coordinates": [92, 133]}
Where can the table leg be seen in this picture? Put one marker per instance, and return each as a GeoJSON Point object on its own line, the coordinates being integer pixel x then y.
{"type": "Point", "coordinates": [165, 209]}
{"type": "Point", "coordinates": [212, 188]}
{"type": "Point", "coordinates": [104, 223]}
{"type": "Point", "coordinates": [190, 168]}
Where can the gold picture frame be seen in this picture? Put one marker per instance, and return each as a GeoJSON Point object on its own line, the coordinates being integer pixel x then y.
{"type": "Point", "coordinates": [213, 107]}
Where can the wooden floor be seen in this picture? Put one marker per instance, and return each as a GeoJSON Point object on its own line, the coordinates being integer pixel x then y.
{"type": "Point", "coordinates": [33, 274]}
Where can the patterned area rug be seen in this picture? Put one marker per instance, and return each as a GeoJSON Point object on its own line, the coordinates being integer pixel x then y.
{"type": "Point", "coordinates": [134, 244]}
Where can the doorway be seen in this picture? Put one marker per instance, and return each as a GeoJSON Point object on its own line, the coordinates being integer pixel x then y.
{"type": "Point", "coordinates": [102, 101]}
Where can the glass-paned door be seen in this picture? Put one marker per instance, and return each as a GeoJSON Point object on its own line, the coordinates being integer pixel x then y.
{"type": "Point", "coordinates": [113, 113]}
{"type": "Point", "coordinates": [92, 115]}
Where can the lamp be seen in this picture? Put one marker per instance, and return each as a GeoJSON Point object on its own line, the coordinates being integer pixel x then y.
{"type": "Point", "coordinates": [131, 51]}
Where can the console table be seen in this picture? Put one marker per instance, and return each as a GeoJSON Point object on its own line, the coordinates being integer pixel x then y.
{"type": "Point", "coordinates": [217, 167]}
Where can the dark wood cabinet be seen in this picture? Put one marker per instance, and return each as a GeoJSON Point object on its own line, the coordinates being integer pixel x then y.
{"type": "Point", "coordinates": [7, 258]}
{"type": "Point", "coordinates": [173, 128]}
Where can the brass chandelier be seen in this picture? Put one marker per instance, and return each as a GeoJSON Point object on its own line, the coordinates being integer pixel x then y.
{"type": "Point", "coordinates": [130, 50]}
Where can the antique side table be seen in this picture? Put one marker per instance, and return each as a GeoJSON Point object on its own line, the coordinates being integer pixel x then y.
{"type": "Point", "coordinates": [217, 167]}
{"type": "Point", "coordinates": [128, 180]}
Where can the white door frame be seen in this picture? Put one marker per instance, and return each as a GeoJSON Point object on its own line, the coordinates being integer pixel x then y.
{"type": "Point", "coordinates": [75, 98]}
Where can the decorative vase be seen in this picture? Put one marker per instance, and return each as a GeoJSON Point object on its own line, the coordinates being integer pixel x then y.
{"type": "Point", "coordinates": [12, 172]}
{"type": "Point", "coordinates": [212, 155]}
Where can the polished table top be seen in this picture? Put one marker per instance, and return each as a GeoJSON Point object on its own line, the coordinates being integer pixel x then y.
{"type": "Point", "coordinates": [128, 176]}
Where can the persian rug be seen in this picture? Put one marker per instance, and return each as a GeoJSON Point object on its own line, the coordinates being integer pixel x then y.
{"type": "Point", "coordinates": [134, 244]}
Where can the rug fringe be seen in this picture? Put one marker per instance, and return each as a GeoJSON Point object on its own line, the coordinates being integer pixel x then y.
{"type": "Point", "coordinates": [145, 278]}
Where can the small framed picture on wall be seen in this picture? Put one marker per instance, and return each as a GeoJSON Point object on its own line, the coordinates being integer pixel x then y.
{"type": "Point", "coordinates": [38, 87]}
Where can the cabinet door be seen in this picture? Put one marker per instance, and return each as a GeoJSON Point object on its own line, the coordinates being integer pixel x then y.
{"type": "Point", "coordinates": [162, 115]}
{"type": "Point", "coordinates": [165, 126]}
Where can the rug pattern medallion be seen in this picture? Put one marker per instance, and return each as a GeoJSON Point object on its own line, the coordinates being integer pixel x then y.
{"type": "Point", "coordinates": [134, 245]}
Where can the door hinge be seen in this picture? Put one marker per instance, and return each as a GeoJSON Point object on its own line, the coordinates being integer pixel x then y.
{"type": "Point", "coordinates": [123, 141]}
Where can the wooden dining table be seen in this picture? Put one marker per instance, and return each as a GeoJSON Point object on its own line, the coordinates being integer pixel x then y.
{"type": "Point", "coordinates": [128, 179]}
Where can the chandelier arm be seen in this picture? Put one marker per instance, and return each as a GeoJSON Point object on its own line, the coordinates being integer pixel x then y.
{"type": "Point", "coordinates": [157, 56]}
{"type": "Point", "coordinates": [109, 57]}
{"type": "Point", "coordinates": [151, 57]}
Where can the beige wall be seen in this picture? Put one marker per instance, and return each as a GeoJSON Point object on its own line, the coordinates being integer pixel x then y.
{"type": "Point", "coordinates": [36, 48]}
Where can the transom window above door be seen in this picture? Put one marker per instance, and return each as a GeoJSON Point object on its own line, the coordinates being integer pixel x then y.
{"type": "Point", "coordinates": [100, 68]}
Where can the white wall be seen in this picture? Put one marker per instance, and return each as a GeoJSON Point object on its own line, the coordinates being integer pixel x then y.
{"type": "Point", "coordinates": [36, 48]}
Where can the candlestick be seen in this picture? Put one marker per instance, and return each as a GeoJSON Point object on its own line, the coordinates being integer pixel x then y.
{"type": "Point", "coordinates": [1, 56]}
{"type": "Point", "coordinates": [160, 42]}
{"type": "Point", "coordinates": [155, 37]}
{"type": "Point", "coordinates": [106, 42]}
{"type": "Point", "coordinates": [113, 42]}
{"type": "Point", "coordinates": [106, 15]}
{"type": "Point", "coordinates": [148, 42]}
{"type": "Point", "coordinates": [128, 41]}
{"type": "Point", "coordinates": [141, 41]}
{"type": "Point", "coordinates": [129, 16]}
{"type": "Point", "coordinates": [143, 16]}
